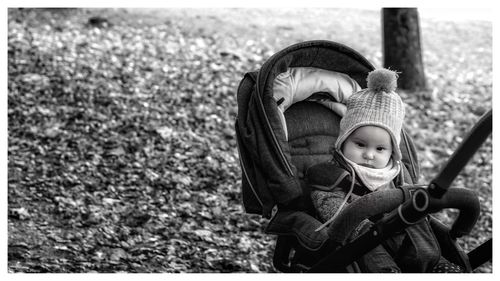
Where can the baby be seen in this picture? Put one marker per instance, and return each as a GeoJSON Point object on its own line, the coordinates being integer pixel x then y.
{"type": "Point", "coordinates": [368, 148]}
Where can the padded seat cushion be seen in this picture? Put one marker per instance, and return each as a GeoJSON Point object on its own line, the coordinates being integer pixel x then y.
{"type": "Point", "coordinates": [312, 131]}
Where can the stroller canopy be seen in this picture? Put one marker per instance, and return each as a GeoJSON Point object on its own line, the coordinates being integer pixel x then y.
{"type": "Point", "coordinates": [270, 178]}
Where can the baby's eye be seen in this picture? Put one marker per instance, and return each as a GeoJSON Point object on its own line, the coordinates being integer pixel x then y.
{"type": "Point", "coordinates": [360, 144]}
{"type": "Point", "coordinates": [381, 148]}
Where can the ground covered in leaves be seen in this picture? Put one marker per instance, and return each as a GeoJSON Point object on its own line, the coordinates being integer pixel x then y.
{"type": "Point", "coordinates": [122, 154]}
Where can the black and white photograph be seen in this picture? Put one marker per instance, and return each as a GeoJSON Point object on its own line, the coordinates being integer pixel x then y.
{"type": "Point", "coordinates": [249, 139]}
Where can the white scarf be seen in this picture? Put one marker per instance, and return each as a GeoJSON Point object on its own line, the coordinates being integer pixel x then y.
{"type": "Point", "coordinates": [375, 178]}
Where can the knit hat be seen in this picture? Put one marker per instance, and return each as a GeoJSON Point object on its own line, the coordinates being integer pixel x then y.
{"type": "Point", "coordinates": [378, 105]}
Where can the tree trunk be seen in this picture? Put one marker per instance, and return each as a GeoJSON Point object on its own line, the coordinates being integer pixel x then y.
{"type": "Point", "coordinates": [402, 50]}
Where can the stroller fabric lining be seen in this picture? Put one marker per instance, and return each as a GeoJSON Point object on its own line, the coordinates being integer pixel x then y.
{"type": "Point", "coordinates": [312, 132]}
{"type": "Point", "coordinates": [301, 83]}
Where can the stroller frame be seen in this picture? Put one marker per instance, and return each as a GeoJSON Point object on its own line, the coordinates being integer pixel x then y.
{"type": "Point", "coordinates": [290, 252]}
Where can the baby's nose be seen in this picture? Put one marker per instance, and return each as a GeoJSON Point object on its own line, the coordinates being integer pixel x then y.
{"type": "Point", "coordinates": [369, 155]}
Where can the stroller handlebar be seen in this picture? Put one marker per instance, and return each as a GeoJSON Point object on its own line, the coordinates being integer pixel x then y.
{"type": "Point", "coordinates": [406, 212]}
{"type": "Point", "coordinates": [423, 203]}
{"type": "Point", "coordinates": [367, 206]}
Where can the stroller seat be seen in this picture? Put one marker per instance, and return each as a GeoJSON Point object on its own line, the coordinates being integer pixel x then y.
{"type": "Point", "coordinates": [280, 136]}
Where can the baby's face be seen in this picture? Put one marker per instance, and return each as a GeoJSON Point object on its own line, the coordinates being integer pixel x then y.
{"type": "Point", "coordinates": [369, 146]}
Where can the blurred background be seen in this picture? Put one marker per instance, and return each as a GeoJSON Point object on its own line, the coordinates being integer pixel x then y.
{"type": "Point", "coordinates": [121, 147]}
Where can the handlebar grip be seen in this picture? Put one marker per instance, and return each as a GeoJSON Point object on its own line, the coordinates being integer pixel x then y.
{"type": "Point", "coordinates": [466, 202]}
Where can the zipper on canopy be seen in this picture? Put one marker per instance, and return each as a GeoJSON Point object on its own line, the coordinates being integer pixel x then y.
{"type": "Point", "coordinates": [275, 140]}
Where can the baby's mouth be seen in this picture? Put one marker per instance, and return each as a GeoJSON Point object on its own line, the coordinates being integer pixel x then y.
{"type": "Point", "coordinates": [368, 165]}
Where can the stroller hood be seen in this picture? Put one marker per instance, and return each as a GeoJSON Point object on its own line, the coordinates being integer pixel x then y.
{"type": "Point", "coordinates": [269, 177]}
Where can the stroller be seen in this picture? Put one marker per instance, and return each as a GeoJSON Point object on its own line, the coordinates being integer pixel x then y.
{"type": "Point", "coordinates": [288, 120]}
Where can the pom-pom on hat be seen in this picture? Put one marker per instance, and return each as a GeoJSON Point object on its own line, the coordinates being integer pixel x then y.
{"type": "Point", "coordinates": [378, 105]}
